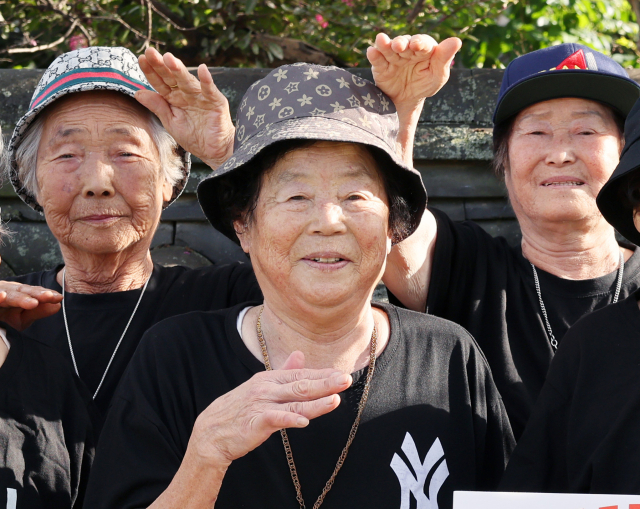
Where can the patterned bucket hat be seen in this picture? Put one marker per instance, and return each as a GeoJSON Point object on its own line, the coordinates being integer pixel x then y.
{"type": "Point", "coordinates": [93, 68]}
{"type": "Point", "coordinates": [312, 102]}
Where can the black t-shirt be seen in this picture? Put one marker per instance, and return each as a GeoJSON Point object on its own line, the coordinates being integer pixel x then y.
{"type": "Point", "coordinates": [97, 321]}
{"type": "Point", "coordinates": [487, 286]}
{"type": "Point", "coordinates": [434, 421]}
{"type": "Point", "coordinates": [46, 432]}
{"type": "Point", "coordinates": [584, 432]}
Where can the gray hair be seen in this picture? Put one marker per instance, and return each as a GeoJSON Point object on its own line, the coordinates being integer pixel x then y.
{"type": "Point", "coordinates": [27, 153]}
{"type": "Point", "coordinates": [4, 231]}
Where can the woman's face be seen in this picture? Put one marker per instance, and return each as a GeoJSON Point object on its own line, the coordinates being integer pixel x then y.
{"type": "Point", "coordinates": [561, 153]}
{"type": "Point", "coordinates": [98, 173]}
{"type": "Point", "coordinates": [319, 234]}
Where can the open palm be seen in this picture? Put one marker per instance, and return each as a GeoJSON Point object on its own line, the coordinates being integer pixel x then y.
{"type": "Point", "coordinates": [194, 111]}
{"type": "Point", "coordinates": [410, 68]}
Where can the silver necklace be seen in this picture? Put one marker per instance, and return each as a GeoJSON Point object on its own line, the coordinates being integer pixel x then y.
{"type": "Point", "coordinates": [552, 338]}
{"type": "Point", "coordinates": [66, 326]}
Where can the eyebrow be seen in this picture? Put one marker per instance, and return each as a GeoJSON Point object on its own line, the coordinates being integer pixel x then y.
{"type": "Point", "coordinates": [577, 114]}
{"type": "Point", "coordinates": [291, 175]}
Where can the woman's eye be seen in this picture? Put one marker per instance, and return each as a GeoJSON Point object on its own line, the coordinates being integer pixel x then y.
{"type": "Point", "coordinates": [537, 133]}
{"type": "Point", "coordinates": [297, 198]}
{"type": "Point", "coordinates": [355, 197]}
{"type": "Point", "coordinates": [66, 156]}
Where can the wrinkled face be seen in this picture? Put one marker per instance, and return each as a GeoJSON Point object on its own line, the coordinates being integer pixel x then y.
{"type": "Point", "coordinates": [561, 153]}
{"type": "Point", "coordinates": [319, 233]}
{"type": "Point", "coordinates": [98, 173]}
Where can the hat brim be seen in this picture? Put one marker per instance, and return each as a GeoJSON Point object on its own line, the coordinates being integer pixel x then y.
{"type": "Point", "coordinates": [317, 129]}
{"type": "Point", "coordinates": [610, 198]}
{"type": "Point", "coordinates": [23, 125]}
{"type": "Point", "coordinates": [615, 91]}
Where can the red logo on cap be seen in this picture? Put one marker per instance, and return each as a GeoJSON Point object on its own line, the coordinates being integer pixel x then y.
{"type": "Point", "coordinates": [575, 61]}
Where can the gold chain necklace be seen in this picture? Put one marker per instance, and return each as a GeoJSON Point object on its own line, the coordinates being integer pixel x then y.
{"type": "Point", "coordinates": [354, 427]}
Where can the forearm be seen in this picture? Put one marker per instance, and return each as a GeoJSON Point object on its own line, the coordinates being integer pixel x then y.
{"type": "Point", "coordinates": [408, 117]}
{"type": "Point", "coordinates": [193, 486]}
{"type": "Point", "coordinates": [408, 271]}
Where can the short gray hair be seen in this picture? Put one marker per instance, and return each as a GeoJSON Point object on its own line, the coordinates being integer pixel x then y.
{"type": "Point", "coordinates": [26, 154]}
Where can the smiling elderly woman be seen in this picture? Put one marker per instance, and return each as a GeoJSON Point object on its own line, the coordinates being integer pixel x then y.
{"type": "Point", "coordinates": [557, 139]}
{"type": "Point", "coordinates": [101, 167]}
{"type": "Point", "coordinates": [316, 195]}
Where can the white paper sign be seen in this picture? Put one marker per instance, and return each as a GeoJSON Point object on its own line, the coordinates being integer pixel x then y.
{"type": "Point", "coordinates": [503, 500]}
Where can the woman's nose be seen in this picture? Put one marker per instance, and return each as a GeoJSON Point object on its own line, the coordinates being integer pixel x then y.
{"type": "Point", "coordinates": [98, 179]}
{"type": "Point", "coordinates": [561, 151]}
{"type": "Point", "coordinates": [329, 219]}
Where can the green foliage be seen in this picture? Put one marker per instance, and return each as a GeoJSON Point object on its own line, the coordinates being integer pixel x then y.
{"type": "Point", "coordinates": [265, 32]}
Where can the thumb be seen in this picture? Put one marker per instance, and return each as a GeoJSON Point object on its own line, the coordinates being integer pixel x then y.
{"type": "Point", "coordinates": [156, 104]}
{"type": "Point", "coordinates": [294, 361]}
{"type": "Point", "coordinates": [445, 51]}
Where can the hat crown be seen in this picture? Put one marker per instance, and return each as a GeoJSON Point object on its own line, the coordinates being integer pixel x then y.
{"type": "Point", "coordinates": [568, 56]}
{"type": "Point", "coordinates": [95, 60]}
{"type": "Point", "coordinates": [303, 90]}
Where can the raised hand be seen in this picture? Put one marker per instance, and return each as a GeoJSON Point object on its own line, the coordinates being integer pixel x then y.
{"type": "Point", "coordinates": [410, 68]}
{"type": "Point", "coordinates": [194, 112]}
{"type": "Point", "coordinates": [21, 305]}
{"type": "Point", "coordinates": [245, 417]}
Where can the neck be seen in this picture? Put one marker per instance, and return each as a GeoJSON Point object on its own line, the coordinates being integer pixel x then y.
{"type": "Point", "coordinates": [327, 340]}
{"type": "Point", "coordinates": [116, 272]}
{"type": "Point", "coordinates": [571, 252]}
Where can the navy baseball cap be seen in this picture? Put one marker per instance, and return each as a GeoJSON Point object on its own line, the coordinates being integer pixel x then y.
{"type": "Point", "coordinates": [566, 70]}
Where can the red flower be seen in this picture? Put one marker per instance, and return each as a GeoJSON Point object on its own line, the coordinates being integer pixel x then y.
{"type": "Point", "coordinates": [78, 42]}
{"type": "Point", "coordinates": [320, 19]}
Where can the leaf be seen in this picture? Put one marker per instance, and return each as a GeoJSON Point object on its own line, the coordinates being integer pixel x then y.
{"type": "Point", "coordinates": [276, 50]}
{"type": "Point", "coordinates": [250, 5]}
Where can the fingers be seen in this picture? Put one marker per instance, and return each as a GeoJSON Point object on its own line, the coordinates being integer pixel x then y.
{"type": "Point", "coordinates": [377, 59]}
{"type": "Point", "coordinates": [208, 87]}
{"type": "Point", "coordinates": [294, 361]}
{"type": "Point", "coordinates": [179, 74]}
{"type": "Point", "coordinates": [148, 63]}
{"type": "Point", "coordinates": [306, 390]}
{"type": "Point", "coordinates": [383, 45]}
{"type": "Point", "coordinates": [156, 104]}
{"type": "Point", "coordinates": [25, 296]}
{"type": "Point", "coordinates": [446, 51]}
{"type": "Point", "coordinates": [298, 415]}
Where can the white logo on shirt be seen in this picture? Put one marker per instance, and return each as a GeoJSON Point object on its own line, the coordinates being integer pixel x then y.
{"type": "Point", "coordinates": [410, 484]}
{"type": "Point", "coordinates": [12, 498]}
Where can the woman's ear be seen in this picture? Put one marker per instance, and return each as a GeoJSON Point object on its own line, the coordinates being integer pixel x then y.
{"type": "Point", "coordinates": [242, 231]}
{"type": "Point", "coordinates": [167, 191]}
{"type": "Point", "coordinates": [636, 218]}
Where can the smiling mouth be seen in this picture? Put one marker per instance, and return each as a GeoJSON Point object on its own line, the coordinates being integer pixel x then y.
{"type": "Point", "coordinates": [327, 260]}
{"type": "Point", "coordinates": [570, 183]}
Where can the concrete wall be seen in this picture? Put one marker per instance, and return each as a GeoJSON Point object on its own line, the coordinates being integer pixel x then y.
{"type": "Point", "coordinates": [452, 151]}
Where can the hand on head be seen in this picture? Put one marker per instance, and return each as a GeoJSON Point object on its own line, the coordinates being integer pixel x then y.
{"type": "Point", "coordinates": [241, 420]}
{"type": "Point", "coordinates": [411, 68]}
{"type": "Point", "coordinates": [194, 111]}
{"type": "Point", "coordinates": [21, 305]}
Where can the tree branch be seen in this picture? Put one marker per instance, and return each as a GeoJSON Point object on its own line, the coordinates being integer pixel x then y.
{"type": "Point", "coordinates": [415, 11]}
{"type": "Point", "coordinates": [43, 47]}
{"type": "Point", "coordinates": [635, 5]}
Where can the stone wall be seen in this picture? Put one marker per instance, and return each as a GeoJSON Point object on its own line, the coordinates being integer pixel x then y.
{"type": "Point", "coordinates": [452, 151]}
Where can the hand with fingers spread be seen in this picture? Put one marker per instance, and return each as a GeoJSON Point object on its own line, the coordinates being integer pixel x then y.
{"type": "Point", "coordinates": [21, 305]}
{"type": "Point", "coordinates": [410, 68]}
{"type": "Point", "coordinates": [194, 111]}
{"type": "Point", "coordinates": [241, 420]}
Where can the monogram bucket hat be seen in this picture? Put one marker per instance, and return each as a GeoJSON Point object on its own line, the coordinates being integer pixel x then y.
{"type": "Point", "coordinates": [93, 68]}
{"type": "Point", "coordinates": [565, 70]}
{"type": "Point", "coordinates": [312, 102]}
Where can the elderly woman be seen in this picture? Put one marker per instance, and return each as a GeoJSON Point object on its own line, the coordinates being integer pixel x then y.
{"type": "Point", "coordinates": [316, 195]}
{"type": "Point", "coordinates": [101, 168]}
{"type": "Point", "coordinates": [40, 396]}
{"type": "Point", "coordinates": [557, 138]}
{"type": "Point", "coordinates": [583, 433]}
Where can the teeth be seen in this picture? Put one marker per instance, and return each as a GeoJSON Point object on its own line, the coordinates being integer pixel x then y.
{"type": "Point", "coordinates": [564, 184]}
{"type": "Point", "coordinates": [326, 260]}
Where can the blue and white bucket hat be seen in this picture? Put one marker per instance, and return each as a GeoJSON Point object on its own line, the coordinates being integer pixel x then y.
{"type": "Point", "coordinates": [92, 68]}
{"type": "Point", "coordinates": [313, 102]}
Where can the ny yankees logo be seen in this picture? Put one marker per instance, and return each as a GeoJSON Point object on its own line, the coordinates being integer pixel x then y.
{"type": "Point", "coordinates": [12, 498]}
{"type": "Point", "coordinates": [415, 485]}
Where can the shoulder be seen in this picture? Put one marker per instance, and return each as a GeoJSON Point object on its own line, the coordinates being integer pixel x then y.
{"type": "Point", "coordinates": [45, 278]}
{"type": "Point", "coordinates": [438, 335]}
